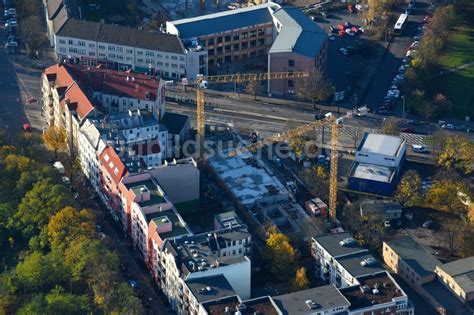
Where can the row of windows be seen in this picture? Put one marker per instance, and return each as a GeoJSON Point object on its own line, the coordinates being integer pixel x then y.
{"type": "Point", "coordinates": [235, 47]}
{"type": "Point", "coordinates": [235, 37]}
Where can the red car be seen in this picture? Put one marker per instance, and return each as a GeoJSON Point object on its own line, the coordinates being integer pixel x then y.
{"type": "Point", "coordinates": [342, 33]}
{"type": "Point", "coordinates": [350, 8]}
{"type": "Point", "coordinates": [26, 128]}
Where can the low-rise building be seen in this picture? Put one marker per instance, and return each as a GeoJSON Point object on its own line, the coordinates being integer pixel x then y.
{"type": "Point", "coordinates": [377, 164]}
{"type": "Point", "coordinates": [124, 48]}
{"type": "Point", "coordinates": [384, 209]}
{"type": "Point", "coordinates": [411, 261]}
{"type": "Point", "coordinates": [458, 276]}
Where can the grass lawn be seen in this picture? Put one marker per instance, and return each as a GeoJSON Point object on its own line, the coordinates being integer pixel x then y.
{"type": "Point", "coordinates": [458, 86]}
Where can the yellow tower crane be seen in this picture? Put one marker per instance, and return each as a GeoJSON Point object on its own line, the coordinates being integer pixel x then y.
{"type": "Point", "coordinates": [300, 131]}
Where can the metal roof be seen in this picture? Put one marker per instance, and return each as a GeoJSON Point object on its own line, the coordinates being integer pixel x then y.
{"type": "Point", "coordinates": [298, 33]}
{"type": "Point", "coordinates": [224, 21]}
{"type": "Point", "coordinates": [414, 255]}
{"type": "Point", "coordinates": [380, 144]}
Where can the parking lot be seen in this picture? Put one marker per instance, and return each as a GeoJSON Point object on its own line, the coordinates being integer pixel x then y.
{"type": "Point", "coordinates": [348, 72]}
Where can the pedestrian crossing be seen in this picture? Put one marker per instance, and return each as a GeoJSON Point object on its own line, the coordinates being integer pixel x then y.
{"type": "Point", "coordinates": [413, 138]}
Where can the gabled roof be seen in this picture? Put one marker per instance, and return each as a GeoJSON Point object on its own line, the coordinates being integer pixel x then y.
{"type": "Point", "coordinates": [112, 163]}
{"type": "Point", "coordinates": [462, 271]}
{"type": "Point", "coordinates": [414, 255]}
{"type": "Point", "coordinates": [53, 7]}
{"type": "Point", "coordinates": [224, 21]}
{"type": "Point", "coordinates": [60, 18]}
{"type": "Point", "coordinates": [121, 35]}
{"type": "Point", "coordinates": [298, 34]}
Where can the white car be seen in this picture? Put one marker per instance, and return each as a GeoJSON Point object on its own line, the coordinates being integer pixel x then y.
{"type": "Point", "coordinates": [343, 51]}
{"type": "Point", "coordinates": [447, 126]}
{"type": "Point", "coordinates": [418, 148]}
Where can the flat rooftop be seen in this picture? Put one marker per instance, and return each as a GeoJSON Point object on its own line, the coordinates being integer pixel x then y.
{"type": "Point", "coordinates": [414, 255]}
{"type": "Point", "coordinates": [325, 298]}
{"type": "Point", "coordinates": [387, 290]}
{"type": "Point", "coordinates": [247, 177]}
{"type": "Point", "coordinates": [353, 264]}
{"type": "Point", "coordinates": [178, 228]}
{"type": "Point", "coordinates": [210, 288]}
{"type": "Point", "coordinates": [372, 172]}
{"type": "Point", "coordinates": [228, 219]}
{"type": "Point", "coordinates": [261, 305]}
{"type": "Point", "coordinates": [156, 197]}
{"type": "Point", "coordinates": [462, 271]}
{"type": "Point", "coordinates": [380, 144]}
{"type": "Point", "coordinates": [332, 244]}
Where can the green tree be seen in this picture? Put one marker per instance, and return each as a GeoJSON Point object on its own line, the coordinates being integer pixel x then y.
{"type": "Point", "coordinates": [55, 139]}
{"type": "Point", "coordinates": [60, 302]}
{"type": "Point", "coordinates": [70, 224]}
{"type": "Point", "coordinates": [39, 272]}
{"type": "Point", "coordinates": [301, 281]}
{"type": "Point", "coordinates": [38, 205]}
{"type": "Point", "coordinates": [36, 305]}
{"type": "Point", "coordinates": [315, 88]}
{"type": "Point", "coordinates": [279, 255]}
{"type": "Point", "coordinates": [408, 192]}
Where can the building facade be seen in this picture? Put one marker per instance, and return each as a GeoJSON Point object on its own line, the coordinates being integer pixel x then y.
{"type": "Point", "coordinates": [124, 48]}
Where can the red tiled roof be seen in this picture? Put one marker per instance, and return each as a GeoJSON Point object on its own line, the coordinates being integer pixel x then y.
{"type": "Point", "coordinates": [112, 163]}
{"type": "Point", "coordinates": [120, 83]}
{"type": "Point", "coordinates": [73, 93]}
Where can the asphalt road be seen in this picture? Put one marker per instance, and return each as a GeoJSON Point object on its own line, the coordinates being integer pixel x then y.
{"type": "Point", "coordinates": [392, 60]}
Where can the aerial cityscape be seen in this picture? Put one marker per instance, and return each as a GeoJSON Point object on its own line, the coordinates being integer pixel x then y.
{"type": "Point", "coordinates": [242, 157]}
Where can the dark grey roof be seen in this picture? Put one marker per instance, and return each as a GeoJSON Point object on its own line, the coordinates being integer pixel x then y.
{"type": "Point", "coordinates": [174, 122]}
{"type": "Point", "coordinates": [210, 288]}
{"type": "Point", "coordinates": [458, 267]}
{"type": "Point", "coordinates": [352, 263]}
{"type": "Point", "coordinates": [330, 242]}
{"type": "Point", "coordinates": [59, 19]}
{"type": "Point", "coordinates": [223, 21]}
{"type": "Point", "coordinates": [462, 271]}
{"type": "Point", "coordinates": [379, 207]}
{"type": "Point", "coordinates": [298, 34]}
{"type": "Point", "coordinates": [326, 297]}
{"type": "Point", "coordinates": [121, 35]}
{"type": "Point", "coordinates": [414, 255]}
{"type": "Point", "coordinates": [443, 296]}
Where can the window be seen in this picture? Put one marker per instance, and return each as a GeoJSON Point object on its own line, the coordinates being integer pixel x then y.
{"type": "Point", "coordinates": [219, 50]}
{"type": "Point", "coordinates": [219, 40]}
{"type": "Point", "coordinates": [291, 63]}
{"type": "Point", "coordinates": [73, 50]}
{"type": "Point", "coordinates": [174, 58]}
{"type": "Point", "coordinates": [129, 51]}
{"type": "Point", "coordinates": [101, 47]}
{"type": "Point", "coordinates": [253, 33]}
{"type": "Point", "coordinates": [228, 48]}
{"type": "Point", "coordinates": [70, 42]}
{"type": "Point", "coordinates": [62, 49]}
{"type": "Point", "coordinates": [111, 48]}
{"type": "Point", "coordinates": [291, 83]}
{"type": "Point", "coordinates": [149, 54]}
{"type": "Point", "coordinates": [236, 36]}
{"type": "Point", "coordinates": [150, 61]}
{"type": "Point", "coordinates": [245, 35]}
{"type": "Point", "coordinates": [210, 41]}
{"type": "Point", "coordinates": [245, 45]}
{"type": "Point", "coordinates": [140, 53]}
{"type": "Point", "coordinates": [91, 53]}
{"type": "Point", "coordinates": [91, 45]}
{"type": "Point", "coordinates": [261, 41]}
{"type": "Point", "coordinates": [236, 46]}
{"type": "Point", "coordinates": [253, 43]}
{"type": "Point", "coordinates": [62, 41]}
{"type": "Point", "coordinates": [181, 58]}
{"type": "Point", "coordinates": [261, 31]}
{"type": "Point", "coordinates": [81, 43]}
{"type": "Point", "coordinates": [227, 38]}
{"type": "Point", "coordinates": [140, 60]}
{"type": "Point", "coordinates": [111, 56]}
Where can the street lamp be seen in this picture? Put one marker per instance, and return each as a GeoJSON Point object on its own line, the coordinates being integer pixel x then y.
{"type": "Point", "coordinates": [403, 107]}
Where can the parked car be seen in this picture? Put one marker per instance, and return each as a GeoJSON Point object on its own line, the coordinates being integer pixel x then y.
{"type": "Point", "coordinates": [26, 127]}
{"type": "Point", "coordinates": [407, 130]}
{"type": "Point", "coordinates": [11, 23]}
{"type": "Point", "coordinates": [428, 224]}
{"type": "Point", "coordinates": [448, 126]}
{"type": "Point", "coordinates": [331, 37]}
{"type": "Point", "coordinates": [418, 148]}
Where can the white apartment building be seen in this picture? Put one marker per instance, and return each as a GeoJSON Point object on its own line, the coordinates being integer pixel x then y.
{"type": "Point", "coordinates": [382, 150]}
{"type": "Point", "coordinates": [340, 259]}
{"type": "Point", "coordinates": [90, 146]}
{"type": "Point", "coordinates": [124, 48]}
{"type": "Point", "coordinates": [219, 253]}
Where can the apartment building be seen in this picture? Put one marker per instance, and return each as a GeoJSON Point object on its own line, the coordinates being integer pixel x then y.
{"type": "Point", "coordinates": [229, 36]}
{"type": "Point", "coordinates": [218, 253]}
{"type": "Point", "coordinates": [411, 261]}
{"type": "Point", "coordinates": [289, 39]}
{"type": "Point", "coordinates": [341, 260]}
{"type": "Point", "coordinates": [123, 48]}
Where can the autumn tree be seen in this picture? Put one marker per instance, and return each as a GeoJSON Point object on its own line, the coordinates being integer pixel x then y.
{"type": "Point", "coordinates": [55, 139]}
{"type": "Point", "coordinates": [457, 153]}
{"type": "Point", "coordinates": [408, 192]}
{"type": "Point", "coordinates": [443, 195]}
{"type": "Point", "coordinates": [31, 34]}
{"type": "Point", "coordinates": [315, 88]}
{"type": "Point", "coordinates": [279, 255]}
{"type": "Point", "coordinates": [301, 281]}
{"type": "Point", "coordinates": [252, 88]}
{"type": "Point", "coordinates": [390, 127]}
{"type": "Point", "coordinates": [70, 224]}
